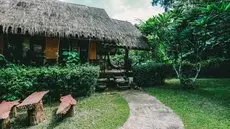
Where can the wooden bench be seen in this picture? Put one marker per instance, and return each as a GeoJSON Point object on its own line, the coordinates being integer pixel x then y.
{"type": "Point", "coordinates": [7, 110]}
{"type": "Point", "coordinates": [67, 106]}
{"type": "Point", "coordinates": [34, 106]}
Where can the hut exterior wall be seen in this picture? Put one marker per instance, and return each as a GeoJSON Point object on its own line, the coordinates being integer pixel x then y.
{"type": "Point", "coordinates": [1, 44]}
{"type": "Point", "coordinates": [39, 50]}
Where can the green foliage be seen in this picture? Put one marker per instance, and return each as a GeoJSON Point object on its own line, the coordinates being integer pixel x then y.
{"type": "Point", "coordinates": [164, 3]}
{"type": "Point", "coordinates": [3, 60]}
{"type": "Point", "coordinates": [136, 56]}
{"type": "Point", "coordinates": [223, 7]}
{"type": "Point", "coordinates": [189, 35]}
{"type": "Point", "coordinates": [19, 82]}
{"type": "Point", "coordinates": [71, 58]}
{"type": "Point", "coordinates": [150, 74]}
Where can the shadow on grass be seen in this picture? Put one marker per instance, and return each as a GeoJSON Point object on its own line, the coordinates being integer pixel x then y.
{"type": "Point", "coordinates": [55, 121]}
{"type": "Point", "coordinates": [21, 122]}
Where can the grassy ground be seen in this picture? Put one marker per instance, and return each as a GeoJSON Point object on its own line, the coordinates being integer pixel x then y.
{"type": "Point", "coordinates": [100, 111]}
{"type": "Point", "coordinates": [207, 107]}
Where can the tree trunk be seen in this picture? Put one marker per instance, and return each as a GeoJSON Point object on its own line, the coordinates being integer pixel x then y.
{"type": "Point", "coordinates": [5, 124]}
{"type": "Point", "coordinates": [187, 83]}
{"type": "Point", "coordinates": [13, 113]}
{"type": "Point", "coordinates": [36, 114]}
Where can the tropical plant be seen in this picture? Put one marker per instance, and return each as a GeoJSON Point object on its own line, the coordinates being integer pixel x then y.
{"type": "Point", "coordinates": [3, 60]}
{"type": "Point", "coordinates": [70, 58]}
{"type": "Point", "coordinates": [187, 36]}
{"type": "Point", "coordinates": [166, 4]}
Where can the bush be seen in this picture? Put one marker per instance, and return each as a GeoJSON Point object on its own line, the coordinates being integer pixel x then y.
{"type": "Point", "coordinates": [151, 74]}
{"type": "Point", "coordinates": [19, 82]}
{"type": "Point", "coordinates": [215, 68]}
{"type": "Point", "coordinates": [3, 61]}
{"type": "Point", "coordinates": [70, 58]}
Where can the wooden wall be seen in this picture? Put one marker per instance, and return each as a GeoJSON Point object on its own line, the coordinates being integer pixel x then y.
{"type": "Point", "coordinates": [52, 48]}
{"type": "Point", "coordinates": [1, 44]}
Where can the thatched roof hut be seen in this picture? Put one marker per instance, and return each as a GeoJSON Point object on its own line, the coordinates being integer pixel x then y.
{"type": "Point", "coordinates": [60, 19]}
{"type": "Point", "coordinates": [130, 37]}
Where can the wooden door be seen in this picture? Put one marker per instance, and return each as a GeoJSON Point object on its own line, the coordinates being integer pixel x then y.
{"type": "Point", "coordinates": [84, 51]}
{"type": "Point", "coordinates": [52, 48]}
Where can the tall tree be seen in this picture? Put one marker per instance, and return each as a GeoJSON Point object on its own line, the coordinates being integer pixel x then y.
{"type": "Point", "coordinates": [166, 4]}
{"type": "Point", "coordinates": [185, 36]}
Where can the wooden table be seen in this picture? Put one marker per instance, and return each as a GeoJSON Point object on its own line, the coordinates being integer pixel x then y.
{"type": "Point", "coordinates": [67, 106]}
{"type": "Point", "coordinates": [7, 109]}
{"type": "Point", "coordinates": [34, 106]}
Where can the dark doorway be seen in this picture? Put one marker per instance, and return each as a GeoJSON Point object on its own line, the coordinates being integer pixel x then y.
{"type": "Point", "coordinates": [84, 51]}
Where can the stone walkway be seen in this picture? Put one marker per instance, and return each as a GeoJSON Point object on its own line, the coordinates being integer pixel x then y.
{"type": "Point", "coordinates": [146, 112]}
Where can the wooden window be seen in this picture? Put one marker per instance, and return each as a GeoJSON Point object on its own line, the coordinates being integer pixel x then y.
{"type": "Point", "coordinates": [92, 51]}
{"type": "Point", "coordinates": [52, 48]}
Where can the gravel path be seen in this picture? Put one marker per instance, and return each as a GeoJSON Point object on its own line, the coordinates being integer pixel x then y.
{"type": "Point", "coordinates": [146, 112]}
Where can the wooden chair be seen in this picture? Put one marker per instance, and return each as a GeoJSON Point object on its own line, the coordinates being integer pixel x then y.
{"type": "Point", "coordinates": [7, 110]}
{"type": "Point", "coordinates": [34, 106]}
{"type": "Point", "coordinates": [67, 106]}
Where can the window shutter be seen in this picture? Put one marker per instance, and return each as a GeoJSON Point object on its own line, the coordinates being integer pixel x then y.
{"type": "Point", "coordinates": [52, 48]}
{"type": "Point", "coordinates": [93, 51]}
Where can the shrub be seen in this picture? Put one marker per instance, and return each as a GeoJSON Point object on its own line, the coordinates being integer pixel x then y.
{"type": "Point", "coordinates": [3, 61]}
{"type": "Point", "coordinates": [215, 68]}
{"type": "Point", "coordinates": [70, 58]}
{"type": "Point", "coordinates": [151, 74]}
{"type": "Point", "coordinates": [19, 82]}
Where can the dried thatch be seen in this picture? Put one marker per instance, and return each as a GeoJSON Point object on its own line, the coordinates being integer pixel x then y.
{"type": "Point", "coordinates": [130, 37]}
{"type": "Point", "coordinates": [56, 18]}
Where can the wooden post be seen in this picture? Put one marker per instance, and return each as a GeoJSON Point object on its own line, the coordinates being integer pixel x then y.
{"type": "Point", "coordinates": [36, 114]}
{"type": "Point", "coordinates": [126, 58]}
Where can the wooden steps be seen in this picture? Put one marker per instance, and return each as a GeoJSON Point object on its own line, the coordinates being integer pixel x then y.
{"type": "Point", "coordinates": [114, 79]}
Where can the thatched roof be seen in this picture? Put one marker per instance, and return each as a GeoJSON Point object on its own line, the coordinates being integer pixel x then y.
{"type": "Point", "coordinates": [130, 37]}
{"type": "Point", "coordinates": [56, 18]}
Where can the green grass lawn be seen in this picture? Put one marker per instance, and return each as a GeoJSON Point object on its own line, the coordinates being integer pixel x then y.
{"type": "Point", "coordinates": [100, 111]}
{"type": "Point", "coordinates": [206, 107]}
